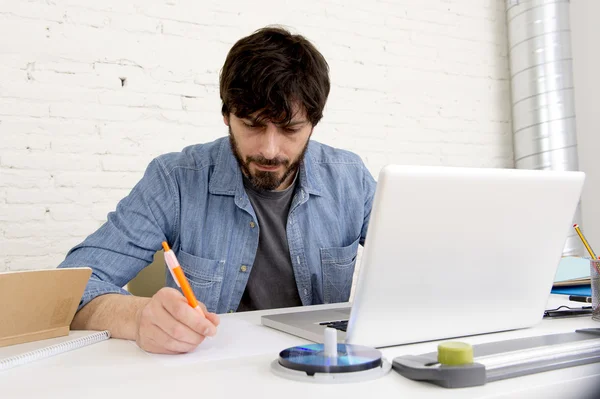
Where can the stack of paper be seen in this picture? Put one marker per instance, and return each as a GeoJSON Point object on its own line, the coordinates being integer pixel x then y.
{"type": "Point", "coordinates": [572, 271]}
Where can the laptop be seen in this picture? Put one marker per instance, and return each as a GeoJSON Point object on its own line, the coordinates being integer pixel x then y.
{"type": "Point", "coordinates": [451, 252]}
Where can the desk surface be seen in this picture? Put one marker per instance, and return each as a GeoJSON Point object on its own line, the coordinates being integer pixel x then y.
{"type": "Point", "coordinates": [117, 368]}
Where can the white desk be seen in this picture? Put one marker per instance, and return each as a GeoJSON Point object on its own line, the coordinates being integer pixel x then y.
{"type": "Point", "coordinates": [116, 368]}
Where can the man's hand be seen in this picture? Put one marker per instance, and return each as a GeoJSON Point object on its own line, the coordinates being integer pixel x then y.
{"type": "Point", "coordinates": [167, 324]}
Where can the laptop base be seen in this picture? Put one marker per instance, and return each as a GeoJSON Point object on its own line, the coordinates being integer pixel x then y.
{"type": "Point", "coordinates": [307, 325]}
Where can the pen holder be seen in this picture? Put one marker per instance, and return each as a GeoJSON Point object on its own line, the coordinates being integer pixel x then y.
{"type": "Point", "coordinates": [595, 283]}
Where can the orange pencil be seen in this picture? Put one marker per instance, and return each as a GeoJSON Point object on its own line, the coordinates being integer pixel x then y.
{"type": "Point", "coordinates": [179, 277]}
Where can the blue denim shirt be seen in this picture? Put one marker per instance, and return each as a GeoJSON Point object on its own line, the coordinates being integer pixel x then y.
{"type": "Point", "coordinates": [195, 200]}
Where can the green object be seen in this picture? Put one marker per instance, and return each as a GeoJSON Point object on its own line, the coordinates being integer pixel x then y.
{"type": "Point", "coordinates": [150, 279]}
{"type": "Point", "coordinates": [455, 354]}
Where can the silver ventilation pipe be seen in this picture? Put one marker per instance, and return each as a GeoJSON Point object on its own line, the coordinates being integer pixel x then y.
{"type": "Point", "coordinates": [542, 97]}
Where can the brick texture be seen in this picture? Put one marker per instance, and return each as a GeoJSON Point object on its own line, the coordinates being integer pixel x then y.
{"type": "Point", "coordinates": [91, 91]}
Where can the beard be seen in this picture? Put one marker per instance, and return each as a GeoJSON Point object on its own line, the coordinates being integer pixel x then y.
{"type": "Point", "coordinates": [264, 180]}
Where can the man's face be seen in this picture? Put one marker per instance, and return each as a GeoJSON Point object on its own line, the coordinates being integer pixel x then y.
{"type": "Point", "coordinates": [269, 154]}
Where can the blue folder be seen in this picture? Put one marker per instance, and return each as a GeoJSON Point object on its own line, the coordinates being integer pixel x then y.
{"type": "Point", "coordinates": [583, 290]}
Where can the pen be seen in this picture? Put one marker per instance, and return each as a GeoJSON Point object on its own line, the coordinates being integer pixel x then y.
{"type": "Point", "coordinates": [578, 298]}
{"type": "Point", "coordinates": [178, 276]}
{"type": "Point", "coordinates": [586, 310]}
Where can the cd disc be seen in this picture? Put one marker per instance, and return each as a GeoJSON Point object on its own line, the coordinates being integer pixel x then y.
{"type": "Point", "coordinates": [312, 359]}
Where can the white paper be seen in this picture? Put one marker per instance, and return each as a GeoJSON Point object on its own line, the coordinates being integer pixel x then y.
{"type": "Point", "coordinates": [235, 338]}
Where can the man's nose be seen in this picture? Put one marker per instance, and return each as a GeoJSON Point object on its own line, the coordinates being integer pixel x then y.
{"type": "Point", "coordinates": [270, 142]}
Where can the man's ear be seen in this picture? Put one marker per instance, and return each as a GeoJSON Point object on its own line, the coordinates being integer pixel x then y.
{"type": "Point", "coordinates": [226, 120]}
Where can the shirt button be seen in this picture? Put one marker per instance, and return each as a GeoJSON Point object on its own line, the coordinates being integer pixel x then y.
{"type": "Point", "coordinates": [252, 224]}
{"type": "Point", "coordinates": [244, 268]}
{"type": "Point", "coordinates": [305, 291]}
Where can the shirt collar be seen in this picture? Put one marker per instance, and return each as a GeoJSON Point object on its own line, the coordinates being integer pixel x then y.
{"type": "Point", "coordinates": [227, 177]}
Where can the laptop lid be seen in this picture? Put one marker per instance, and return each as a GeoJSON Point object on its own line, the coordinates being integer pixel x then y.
{"type": "Point", "coordinates": [459, 251]}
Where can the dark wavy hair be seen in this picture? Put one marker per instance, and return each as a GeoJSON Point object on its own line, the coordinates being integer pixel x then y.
{"type": "Point", "coordinates": [269, 72]}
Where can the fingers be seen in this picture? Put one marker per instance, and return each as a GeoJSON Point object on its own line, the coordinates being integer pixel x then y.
{"type": "Point", "coordinates": [158, 341]}
{"type": "Point", "coordinates": [213, 317]}
{"type": "Point", "coordinates": [174, 328]}
{"type": "Point", "coordinates": [164, 324]}
{"type": "Point", "coordinates": [194, 319]}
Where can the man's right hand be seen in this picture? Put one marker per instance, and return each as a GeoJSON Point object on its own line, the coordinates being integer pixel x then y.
{"type": "Point", "coordinates": [167, 324]}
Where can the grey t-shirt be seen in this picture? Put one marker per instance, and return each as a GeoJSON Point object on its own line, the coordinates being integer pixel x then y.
{"type": "Point", "coordinates": [271, 283]}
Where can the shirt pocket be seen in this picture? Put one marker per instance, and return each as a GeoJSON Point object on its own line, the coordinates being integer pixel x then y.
{"type": "Point", "coordinates": [205, 277]}
{"type": "Point", "coordinates": [337, 265]}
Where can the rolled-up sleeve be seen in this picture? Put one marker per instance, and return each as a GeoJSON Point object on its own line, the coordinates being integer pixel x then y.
{"type": "Point", "coordinates": [127, 241]}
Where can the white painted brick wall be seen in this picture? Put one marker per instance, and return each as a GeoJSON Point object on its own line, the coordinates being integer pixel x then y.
{"type": "Point", "coordinates": [414, 81]}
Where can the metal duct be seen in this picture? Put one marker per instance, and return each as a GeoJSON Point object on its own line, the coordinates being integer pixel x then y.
{"type": "Point", "coordinates": [543, 107]}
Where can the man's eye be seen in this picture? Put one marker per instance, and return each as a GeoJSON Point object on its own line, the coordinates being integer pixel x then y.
{"type": "Point", "coordinates": [249, 125]}
{"type": "Point", "coordinates": [290, 130]}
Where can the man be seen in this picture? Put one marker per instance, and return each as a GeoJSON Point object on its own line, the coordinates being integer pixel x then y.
{"type": "Point", "coordinates": [261, 219]}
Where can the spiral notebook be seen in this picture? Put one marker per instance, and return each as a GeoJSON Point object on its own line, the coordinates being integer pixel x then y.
{"type": "Point", "coordinates": [17, 355]}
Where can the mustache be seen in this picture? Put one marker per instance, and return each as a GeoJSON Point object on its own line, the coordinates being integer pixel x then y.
{"type": "Point", "coordinates": [266, 162]}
